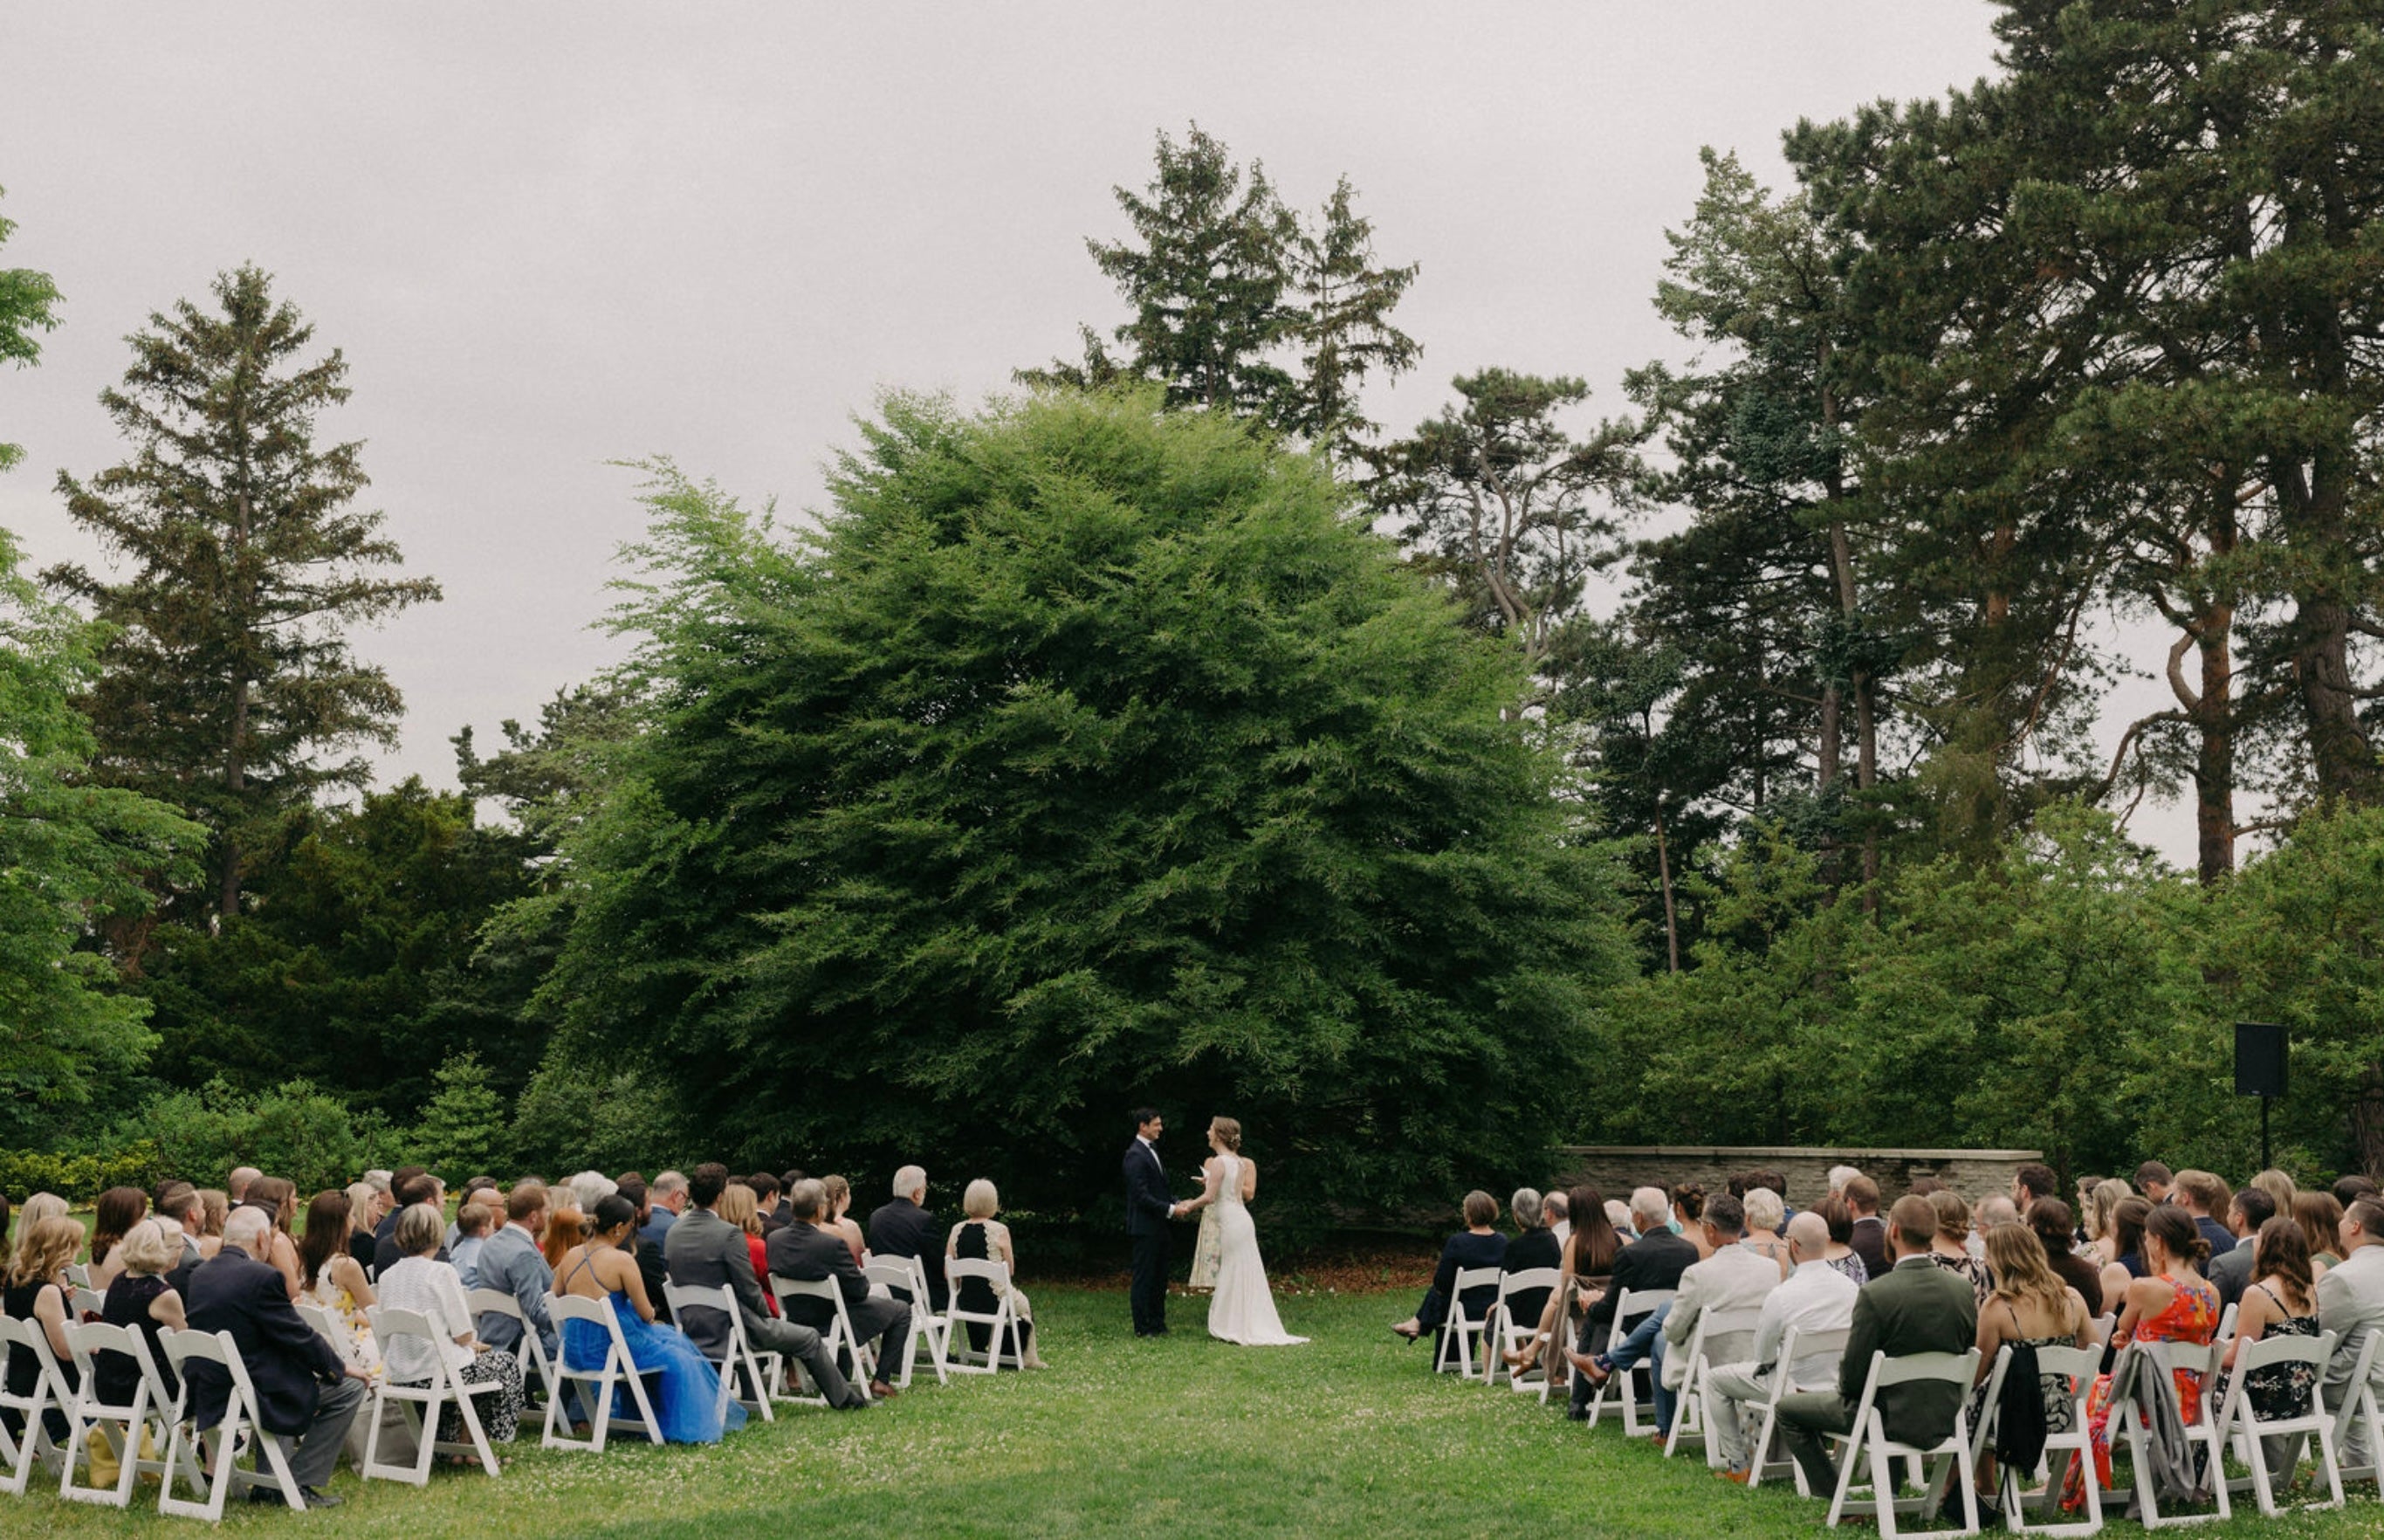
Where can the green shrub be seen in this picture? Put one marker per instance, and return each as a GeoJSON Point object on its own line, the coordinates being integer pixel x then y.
{"type": "Point", "coordinates": [78, 1178]}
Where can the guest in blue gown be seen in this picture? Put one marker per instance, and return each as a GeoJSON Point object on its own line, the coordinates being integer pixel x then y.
{"type": "Point", "coordinates": [686, 1396]}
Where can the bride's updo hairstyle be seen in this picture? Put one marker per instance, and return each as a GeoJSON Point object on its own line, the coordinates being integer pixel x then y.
{"type": "Point", "coordinates": [1228, 1132]}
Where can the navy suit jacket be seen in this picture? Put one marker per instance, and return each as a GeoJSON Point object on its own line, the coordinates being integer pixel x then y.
{"type": "Point", "coordinates": [286, 1359]}
{"type": "Point", "coordinates": [1147, 1204]}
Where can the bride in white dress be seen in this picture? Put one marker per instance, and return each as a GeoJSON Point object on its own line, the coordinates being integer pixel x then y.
{"type": "Point", "coordinates": [1242, 1310]}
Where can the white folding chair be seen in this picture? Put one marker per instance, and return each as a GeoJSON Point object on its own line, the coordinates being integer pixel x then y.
{"type": "Point", "coordinates": [595, 1386]}
{"type": "Point", "coordinates": [2357, 1414]}
{"type": "Point", "coordinates": [2100, 1327]}
{"type": "Point", "coordinates": [537, 1373]}
{"type": "Point", "coordinates": [329, 1326]}
{"type": "Point", "coordinates": [422, 1402]}
{"type": "Point", "coordinates": [123, 1424]}
{"type": "Point", "coordinates": [2127, 1426]}
{"type": "Point", "coordinates": [843, 1343]}
{"type": "Point", "coordinates": [51, 1392]}
{"type": "Point", "coordinates": [2225, 1332]}
{"type": "Point", "coordinates": [186, 1445]}
{"type": "Point", "coordinates": [1460, 1329]}
{"type": "Point", "coordinates": [1002, 1322]}
{"type": "Point", "coordinates": [1507, 1329]}
{"type": "Point", "coordinates": [1630, 1309]}
{"type": "Point", "coordinates": [1725, 1336]}
{"type": "Point", "coordinates": [1867, 1444]}
{"type": "Point", "coordinates": [927, 1328]}
{"type": "Point", "coordinates": [2240, 1421]}
{"type": "Point", "coordinates": [2078, 1367]}
{"type": "Point", "coordinates": [740, 1359]}
{"type": "Point", "coordinates": [1795, 1346]}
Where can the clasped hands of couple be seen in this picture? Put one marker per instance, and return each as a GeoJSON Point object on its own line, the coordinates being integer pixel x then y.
{"type": "Point", "coordinates": [1185, 1209]}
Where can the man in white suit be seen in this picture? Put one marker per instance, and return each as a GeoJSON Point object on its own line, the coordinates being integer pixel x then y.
{"type": "Point", "coordinates": [2351, 1305]}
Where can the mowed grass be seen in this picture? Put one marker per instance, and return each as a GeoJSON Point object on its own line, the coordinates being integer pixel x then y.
{"type": "Point", "coordinates": [1347, 1436]}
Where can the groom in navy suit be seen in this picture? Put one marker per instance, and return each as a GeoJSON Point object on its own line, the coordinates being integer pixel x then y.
{"type": "Point", "coordinates": [1148, 1213]}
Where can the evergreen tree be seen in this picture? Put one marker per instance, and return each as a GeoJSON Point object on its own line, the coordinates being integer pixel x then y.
{"type": "Point", "coordinates": [1344, 329]}
{"type": "Point", "coordinates": [463, 1127]}
{"type": "Point", "coordinates": [229, 687]}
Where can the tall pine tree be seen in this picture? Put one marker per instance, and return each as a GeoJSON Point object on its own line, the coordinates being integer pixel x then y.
{"type": "Point", "coordinates": [229, 687]}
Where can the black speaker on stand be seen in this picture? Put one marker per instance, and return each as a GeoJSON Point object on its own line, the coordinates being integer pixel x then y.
{"type": "Point", "coordinates": [2260, 1070]}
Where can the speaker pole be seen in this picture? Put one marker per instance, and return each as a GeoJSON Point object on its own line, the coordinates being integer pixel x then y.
{"type": "Point", "coordinates": [2265, 1164]}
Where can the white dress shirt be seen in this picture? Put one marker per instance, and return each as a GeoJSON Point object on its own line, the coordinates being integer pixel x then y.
{"type": "Point", "coordinates": [1816, 1297]}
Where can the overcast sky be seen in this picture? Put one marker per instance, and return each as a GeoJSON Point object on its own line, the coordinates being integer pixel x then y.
{"type": "Point", "coordinates": [548, 237]}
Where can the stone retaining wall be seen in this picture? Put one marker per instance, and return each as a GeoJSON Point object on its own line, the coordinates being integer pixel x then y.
{"type": "Point", "coordinates": [1614, 1170]}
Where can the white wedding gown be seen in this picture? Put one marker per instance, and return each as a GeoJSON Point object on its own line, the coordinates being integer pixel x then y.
{"type": "Point", "coordinates": [1242, 1310]}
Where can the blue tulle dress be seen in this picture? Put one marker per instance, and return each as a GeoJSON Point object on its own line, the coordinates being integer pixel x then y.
{"type": "Point", "coordinates": [686, 1396]}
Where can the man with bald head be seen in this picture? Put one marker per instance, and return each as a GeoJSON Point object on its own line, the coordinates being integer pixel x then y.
{"type": "Point", "coordinates": [1816, 1298]}
{"type": "Point", "coordinates": [304, 1393]}
{"type": "Point", "coordinates": [1915, 1307]}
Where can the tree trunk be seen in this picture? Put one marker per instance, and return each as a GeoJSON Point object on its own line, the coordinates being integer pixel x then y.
{"type": "Point", "coordinates": [1671, 917]}
{"type": "Point", "coordinates": [2367, 1121]}
{"type": "Point", "coordinates": [236, 748]}
{"type": "Point", "coordinates": [2338, 749]}
{"type": "Point", "coordinates": [2214, 761]}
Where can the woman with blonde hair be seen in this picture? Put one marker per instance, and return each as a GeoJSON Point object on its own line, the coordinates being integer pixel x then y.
{"type": "Point", "coordinates": [742, 1206]}
{"type": "Point", "coordinates": [1951, 1249]}
{"type": "Point", "coordinates": [2101, 1220]}
{"type": "Point", "coordinates": [279, 1198]}
{"type": "Point", "coordinates": [36, 1291]}
{"type": "Point", "coordinates": [982, 1237]}
{"type": "Point", "coordinates": [2279, 1187]}
{"type": "Point", "coordinates": [139, 1299]}
{"type": "Point", "coordinates": [215, 1207]}
{"type": "Point", "coordinates": [839, 1193]}
{"type": "Point", "coordinates": [1766, 1212]}
{"type": "Point", "coordinates": [2031, 1308]}
{"type": "Point", "coordinates": [41, 1205]}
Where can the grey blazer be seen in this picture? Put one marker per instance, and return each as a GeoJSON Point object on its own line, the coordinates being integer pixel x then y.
{"type": "Point", "coordinates": [510, 1264]}
{"type": "Point", "coordinates": [2351, 1305]}
{"type": "Point", "coordinates": [704, 1250]}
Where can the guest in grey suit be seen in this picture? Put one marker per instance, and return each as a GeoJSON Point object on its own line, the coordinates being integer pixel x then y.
{"type": "Point", "coordinates": [2351, 1305]}
{"type": "Point", "coordinates": [799, 1250]}
{"type": "Point", "coordinates": [705, 1251]}
{"type": "Point", "coordinates": [509, 1263]}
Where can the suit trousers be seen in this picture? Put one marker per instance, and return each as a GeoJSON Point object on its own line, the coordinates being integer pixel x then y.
{"type": "Point", "coordinates": [1805, 1418]}
{"type": "Point", "coordinates": [1732, 1390]}
{"type": "Point", "coordinates": [318, 1450]}
{"type": "Point", "coordinates": [886, 1323]}
{"type": "Point", "coordinates": [1150, 1295]}
{"type": "Point", "coordinates": [799, 1342]}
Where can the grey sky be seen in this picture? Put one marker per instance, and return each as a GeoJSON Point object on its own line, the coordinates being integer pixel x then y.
{"type": "Point", "coordinates": [551, 236]}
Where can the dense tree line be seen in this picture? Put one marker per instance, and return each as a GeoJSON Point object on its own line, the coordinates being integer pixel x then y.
{"type": "Point", "coordinates": [1728, 766]}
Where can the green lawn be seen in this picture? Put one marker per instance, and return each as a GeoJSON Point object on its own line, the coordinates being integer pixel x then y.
{"type": "Point", "coordinates": [1346, 1436]}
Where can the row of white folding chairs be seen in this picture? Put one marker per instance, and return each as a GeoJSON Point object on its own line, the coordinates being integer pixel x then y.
{"type": "Point", "coordinates": [213, 1472]}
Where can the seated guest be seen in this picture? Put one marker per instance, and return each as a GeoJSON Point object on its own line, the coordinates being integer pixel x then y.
{"type": "Point", "coordinates": [839, 1205]}
{"type": "Point", "coordinates": [982, 1237]}
{"type": "Point", "coordinates": [1765, 1214]}
{"type": "Point", "coordinates": [329, 1277]}
{"type": "Point", "coordinates": [215, 1207]}
{"type": "Point", "coordinates": [1869, 1235]}
{"type": "Point", "coordinates": [1688, 1211]}
{"type": "Point", "coordinates": [706, 1249]}
{"type": "Point", "coordinates": [37, 1291]}
{"type": "Point", "coordinates": [277, 1199]}
{"type": "Point", "coordinates": [236, 1186]}
{"type": "Point", "coordinates": [1817, 1296]}
{"type": "Point", "coordinates": [475, 1222]}
{"type": "Point", "coordinates": [41, 1205]}
{"type": "Point", "coordinates": [2350, 1189]}
{"type": "Point", "coordinates": [364, 1211]}
{"type": "Point", "coordinates": [2279, 1188]}
{"type": "Point", "coordinates": [418, 1281]}
{"type": "Point", "coordinates": [648, 1256]}
{"type": "Point", "coordinates": [686, 1390]}
{"type": "Point", "coordinates": [566, 1227]}
{"type": "Point", "coordinates": [1533, 1246]}
{"type": "Point", "coordinates": [395, 1193]}
{"type": "Point", "coordinates": [741, 1209]}
{"type": "Point", "coordinates": [2031, 1308]}
{"type": "Point", "coordinates": [119, 1209]}
{"type": "Point", "coordinates": [511, 1263]}
{"type": "Point", "coordinates": [769, 1201]}
{"type": "Point", "coordinates": [1838, 1178]}
{"type": "Point", "coordinates": [419, 1188]}
{"type": "Point", "coordinates": [2050, 1220]}
{"type": "Point", "coordinates": [1478, 1245]}
{"type": "Point", "coordinates": [2172, 1302]}
{"type": "Point", "coordinates": [1914, 1307]}
{"type": "Point", "coordinates": [2152, 1181]}
{"type": "Point", "coordinates": [1952, 1248]}
{"type": "Point", "coordinates": [181, 1215]}
{"type": "Point", "coordinates": [2127, 1246]}
{"type": "Point", "coordinates": [2032, 1180]}
{"type": "Point", "coordinates": [2351, 1305]}
{"type": "Point", "coordinates": [589, 1188]}
{"type": "Point", "coordinates": [2282, 1300]}
{"type": "Point", "coordinates": [802, 1251]}
{"type": "Point", "coordinates": [1654, 1261]}
{"type": "Point", "coordinates": [1583, 1264]}
{"type": "Point", "coordinates": [304, 1392]}
{"type": "Point", "coordinates": [1838, 1223]}
{"type": "Point", "coordinates": [1559, 1209]}
{"type": "Point", "coordinates": [2231, 1271]}
{"type": "Point", "coordinates": [903, 1227]}
{"type": "Point", "coordinates": [2204, 1196]}
{"type": "Point", "coordinates": [1992, 1210]}
{"type": "Point", "coordinates": [668, 1197]}
{"type": "Point", "coordinates": [2321, 1217]}
{"type": "Point", "coordinates": [139, 1299]}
